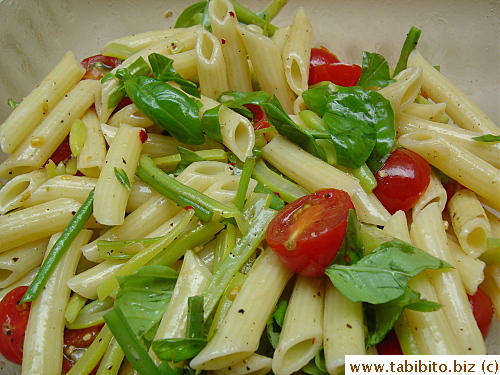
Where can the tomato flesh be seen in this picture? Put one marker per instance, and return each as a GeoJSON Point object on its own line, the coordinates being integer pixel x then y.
{"type": "Point", "coordinates": [402, 180]}
{"type": "Point", "coordinates": [13, 322]}
{"type": "Point", "coordinates": [308, 233]}
{"type": "Point", "coordinates": [322, 55]}
{"type": "Point", "coordinates": [341, 74]}
{"type": "Point", "coordinates": [97, 66]}
{"type": "Point", "coordinates": [76, 341]}
{"type": "Point", "coordinates": [482, 309]}
{"type": "Point", "coordinates": [389, 345]}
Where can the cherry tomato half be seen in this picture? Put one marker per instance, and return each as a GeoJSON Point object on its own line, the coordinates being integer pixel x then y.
{"type": "Point", "coordinates": [308, 233]}
{"type": "Point", "coordinates": [482, 308]}
{"type": "Point", "coordinates": [402, 180]}
{"type": "Point", "coordinates": [345, 75]}
{"type": "Point", "coordinates": [76, 341]}
{"type": "Point", "coordinates": [97, 66]}
{"type": "Point", "coordinates": [62, 152]}
{"type": "Point", "coordinates": [13, 321]}
{"type": "Point", "coordinates": [322, 55]}
{"type": "Point", "coordinates": [389, 345]}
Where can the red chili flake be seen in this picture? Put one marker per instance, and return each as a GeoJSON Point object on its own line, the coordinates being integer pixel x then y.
{"type": "Point", "coordinates": [347, 258]}
{"type": "Point", "coordinates": [232, 14]}
{"type": "Point", "coordinates": [277, 194]}
{"type": "Point", "coordinates": [189, 208]}
{"type": "Point", "coordinates": [231, 163]}
{"type": "Point", "coordinates": [223, 41]}
{"type": "Point", "coordinates": [143, 136]}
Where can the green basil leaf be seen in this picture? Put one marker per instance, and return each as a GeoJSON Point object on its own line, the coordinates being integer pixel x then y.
{"type": "Point", "coordinates": [163, 70]}
{"type": "Point", "coordinates": [12, 103]}
{"type": "Point", "coordinates": [382, 275]}
{"type": "Point", "coordinates": [167, 107]}
{"type": "Point", "coordinates": [488, 138]}
{"type": "Point", "coordinates": [380, 319]}
{"type": "Point", "coordinates": [143, 297]}
{"type": "Point", "coordinates": [362, 127]}
{"type": "Point", "coordinates": [210, 123]}
{"type": "Point", "coordinates": [188, 16]}
{"type": "Point", "coordinates": [277, 117]}
{"type": "Point", "coordinates": [375, 71]}
{"type": "Point", "coordinates": [275, 323]}
{"type": "Point", "coordinates": [316, 98]}
{"type": "Point", "coordinates": [317, 366]}
{"type": "Point", "coordinates": [178, 349]}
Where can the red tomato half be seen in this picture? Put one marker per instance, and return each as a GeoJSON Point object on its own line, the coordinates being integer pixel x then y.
{"type": "Point", "coordinates": [345, 75]}
{"type": "Point", "coordinates": [402, 180]}
{"type": "Point", "coordinates": [76, 341]}
{"type": "Point", "coordinates": [259, 120]}
{"type": "Point", "coordinates": [389, 345]}
{"type": "Point", "coordinates": [13, 320]}
{"type": "Point", "coordinates": [308, 233]}
{"type": "Point", "coordinates": [482, 308]}
{"type": "Point", "coordinates": [322, 55]}
{"type": "Point", "coordinates": [97, 66]}
{"type": "Point", "coordinates": [62, 152]}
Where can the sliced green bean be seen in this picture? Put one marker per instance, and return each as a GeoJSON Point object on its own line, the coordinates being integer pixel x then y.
{"type": "Point", "coordinates": [59, 249]}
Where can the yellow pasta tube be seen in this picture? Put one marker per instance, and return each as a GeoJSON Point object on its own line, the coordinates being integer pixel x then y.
{"type": "Point", "coordinates": [17, 191]}
{"type": "Point", "coordinates": [428, 111]}
{"type": "Point", "coordinates": [18, 262]}
{"type": "Point", "coordinates": [256, 364]}
{"type": "Point", "coordinates": [344, 329]}
{"type": "Point", "coordinates": [193, 276]}
{"type": "Point", "coordinates": [38, 221]}
{"type": "Point", "coordinates": [48, 135]}
{"type": "Point", "coordinates": [143, 40]}
{"type": "Point", "coordinates": [489, 152]}
{"type": "Point", "coordinates": [91, 157]}
{"type": "Point", "coordinates": [313, 174]}
{"type": "Point", "coordinates": [302, 334]}
{"type": "Point", "coordinates": [239, 334]}
{"type": "Point", "coordinates": [43, 346]}
{"type": "Point", "coordinates": [428, 233]}
{"type": "Point", "coordinates": [459, 106]}
{"type": "Point", "coordinates": [491, 286]}
{"type": "Point", "coordinates": [211, 65]}
{"type": "Point", "coordinates": [403, 92]}
{"type": "Point", "coordinates": [456, 162]}
{"type": "Point", "coordinates": [267, 63]}
{"type": "Point", "coordinates": [297, 52]}
{"type": "Point", "coordinates": [470, 269]}
{"type": "Point", "coordinates": [470, 223]}
{"type": "Point", "coordinates": [111, 195]}
{"type": "Point", "coordinates": [130, 115]}
{"type": "Point", "coordinates": [39, 102]}
{"type": "Point", "coordinates": [431, 332]}
{"type": "Point", "coordinates": [434, 193]}
{"type": "Point", "coordinates": [223, 21]}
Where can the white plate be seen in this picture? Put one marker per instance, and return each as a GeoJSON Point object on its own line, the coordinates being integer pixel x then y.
{"type": "Point", "coordinates": [460, 36]}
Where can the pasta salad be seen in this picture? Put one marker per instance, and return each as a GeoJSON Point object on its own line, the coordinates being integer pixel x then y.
{"type": "Point", "coordinates": [226, 196]}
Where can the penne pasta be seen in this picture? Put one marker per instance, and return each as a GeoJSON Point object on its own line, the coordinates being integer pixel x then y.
{"type": "Point", "coordinates": [42, 100]}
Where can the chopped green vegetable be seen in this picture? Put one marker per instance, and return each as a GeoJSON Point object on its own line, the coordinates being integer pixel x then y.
{"type": "Point", "coordinates": [409, 45]}
{"type": "Point", "coordinates": [59, 249]}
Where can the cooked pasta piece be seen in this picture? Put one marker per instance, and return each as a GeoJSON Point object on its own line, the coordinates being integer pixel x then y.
{"type": "Point", "coordinates": [428, 233]}
{"type": "Point", "coordinates": [18, 262]}
{"type": "Point", "coordinates": [459, 106]}
{"type": "Point", "coordinates": [301, 336]}
{"type": "Point", "coordinates": [39, 221]}
{"type": "Point", "coordinates": [471, 270]}
{"type": "Point", "coordinates": [456, 162]}
{"type": "Point", "coordinates": [111, 194]}
{"type": "Point", "coordinates": [211, 65]}
{"type": "Point", "coordinates": [469, 221]}
{"type": "Point", "coordinates": [224, 22]}
{"type": "Point", "coordinates": [435, 192]}
{"type": "Point", "coordinates": [91, 157]}
{"type": "Point", "coordinates": [34, 151]}
{"type": "Point", "coordinates": [297, 52]}
{"type": "Point", "coordinates": [344, 329]}
{"type": "Point", "coordinates": [30, 112]}
{"type": "Point", "coordinates": [267, 63]}
{"type": "Point", "coordinates": [239, 334]}
{"type": "Point", "coordinates": [403, 92]}
{"type": "Point", "coordinates": [43, 346]}
{"type": "Point", "coordinates": [17, 191]}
